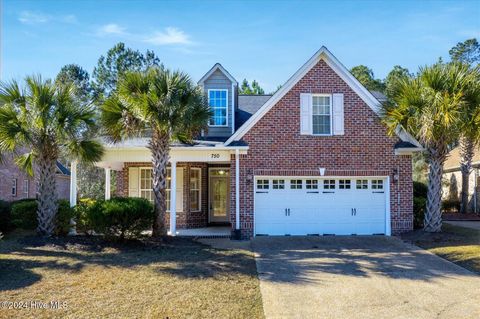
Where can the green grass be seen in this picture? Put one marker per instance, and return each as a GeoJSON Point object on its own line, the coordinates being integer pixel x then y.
{"type": "Point", "coordinates": [177, 279]}
{"type": "Point", "coordinates": [458, 244]}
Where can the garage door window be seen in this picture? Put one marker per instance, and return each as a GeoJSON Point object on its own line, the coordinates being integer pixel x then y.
{"type": "Point", "coordinates": [296, 184]}
{"type": "Point", "coordinates": [262, 184]}
{"type": "Point", "coordinates": [311, 184]}
{"type": "Point", "coordinates": [329, 184]}
{"type": "Point", "coordinates": [344, 184]}
{"type": "Point", "coordinates": [377, 184]}
{"type": "Point", "coordinates": [362, 184]}
{"type": "Point", "coordinates": [278, 184]}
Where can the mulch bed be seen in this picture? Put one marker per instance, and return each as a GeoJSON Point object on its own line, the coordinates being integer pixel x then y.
{"type": "Point", "coordinates": [458, 216]}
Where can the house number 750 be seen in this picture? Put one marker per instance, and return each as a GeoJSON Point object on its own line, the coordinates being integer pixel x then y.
{"type": "Point", "coordinates": [215, 155]}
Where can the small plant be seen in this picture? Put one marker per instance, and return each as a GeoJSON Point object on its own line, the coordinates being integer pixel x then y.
{"type": "Point", "coordinates": [122, 217]}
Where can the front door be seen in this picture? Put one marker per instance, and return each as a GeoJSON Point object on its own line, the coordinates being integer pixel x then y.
{"type": "Point", "coordinates": [219, 195]}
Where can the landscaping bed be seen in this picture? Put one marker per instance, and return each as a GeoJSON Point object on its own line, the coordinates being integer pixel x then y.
{"type": "Point", "coordinates": [176, 278]}
{"type": "Point", "coordinates": [456, 244]}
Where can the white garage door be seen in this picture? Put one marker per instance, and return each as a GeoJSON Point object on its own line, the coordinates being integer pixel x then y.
{"type": "Point", "coordinates": [307, 206]}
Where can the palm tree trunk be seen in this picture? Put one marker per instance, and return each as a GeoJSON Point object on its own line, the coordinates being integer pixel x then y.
{"type": "Point", "coordinates": [433, 214]}
{"type": "Point", "coordinates": [466, 153]}
{"type": "Point", "coordinates": [47, 194]}
{"type": "Point", "coordinates": [160, 148]}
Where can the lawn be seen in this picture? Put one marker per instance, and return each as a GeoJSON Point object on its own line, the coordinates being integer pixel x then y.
{"type": "Point", "coordinates": [93, 278]}
{"type": "Point", "coordinates": [457, 244]}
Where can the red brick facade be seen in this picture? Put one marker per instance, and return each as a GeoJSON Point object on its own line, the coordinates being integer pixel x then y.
{"type": "Point", "coordinates": [277, 148]}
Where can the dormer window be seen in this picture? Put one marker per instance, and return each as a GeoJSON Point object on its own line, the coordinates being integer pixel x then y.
{"type": "Point", "coordinates": [218, 102]}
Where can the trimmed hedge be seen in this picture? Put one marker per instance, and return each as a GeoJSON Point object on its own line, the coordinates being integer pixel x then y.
{"type": "Point", "coordinates": [5, 216]}
{"type": "Point", "coordinates": [24, 215]}
{"type": "Point", "coordinates": [121, 216]}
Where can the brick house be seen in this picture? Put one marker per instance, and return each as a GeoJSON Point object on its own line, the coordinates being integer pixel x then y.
{"type": "Point", "coordinates": [15, 184]}
{"type": "Point", "coordinates": [313, 158]}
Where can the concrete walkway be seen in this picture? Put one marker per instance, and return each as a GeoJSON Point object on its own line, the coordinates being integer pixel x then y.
{"type": "Point", "coordinates": [464, 223]}
{"type": "Point", "coordinates": [360, 277]}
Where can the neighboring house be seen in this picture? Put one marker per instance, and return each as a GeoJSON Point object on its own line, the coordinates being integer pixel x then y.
{"type": "Point", "coordinates": [15, 184]}
{"type": "Point", "coordinates": [313, 158]}
{"type": "Point", "coordinates": [452, 179]}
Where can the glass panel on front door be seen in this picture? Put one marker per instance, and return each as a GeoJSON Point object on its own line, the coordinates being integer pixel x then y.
{"type": "Point", "coordinates": [219, 192]}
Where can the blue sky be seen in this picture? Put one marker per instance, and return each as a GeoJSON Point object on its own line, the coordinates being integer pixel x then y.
{"type": "Point", "coordinates": [263, 40]}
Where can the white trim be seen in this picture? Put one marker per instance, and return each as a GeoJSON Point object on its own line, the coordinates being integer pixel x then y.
{"type": "Point", "coordinates": [26, 186]}
{"type": "Point", "coordinates": [173, 198]}
{"type": "Point", "coordinates": [334, 64]}
{"type": "Point", "coordinates": [215, 67]}
{"type": "Point", "coordinates": [233, 108]}
{"type": "Point", "coordinates": [237, 189]}
{"type": "Point", "coordinates": [226, 107]}
{"type": "Point", "coordinates": [73, 183]}
{"type": "Point", "coordinates": [107, 184]}
{"type": "Point", "coordinates": [386, 190]}
{"type": "Point", "coordinates": [408, 151]}
{"type": "Point", "coordinates": [199, 190]}
{"type": "Point", "coordinates": [331, 113]}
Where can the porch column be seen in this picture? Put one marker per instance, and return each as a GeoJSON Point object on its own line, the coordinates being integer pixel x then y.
{"type": "Point", "coordinates": [173, 198]}
{"type": "Point", "coordinates": [73, 184]}
{"type": "Point", "coordinates": [237, 189]}
{"type": "Point", "coordinates": [107, 183]}
{"type": "Point", "coordinates": [73, 195]}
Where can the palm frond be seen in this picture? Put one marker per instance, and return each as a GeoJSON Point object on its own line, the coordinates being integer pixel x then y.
{"type": "Point", "coordinates": [25, 162]}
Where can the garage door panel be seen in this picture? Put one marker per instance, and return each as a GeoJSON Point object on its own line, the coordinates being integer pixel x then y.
{"type": "Point", "coordinates": [303, 211]}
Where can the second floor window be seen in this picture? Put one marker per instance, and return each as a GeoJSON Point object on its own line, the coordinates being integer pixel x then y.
{"type": "Point", "coordinates": [218, 102]}
{"type": "Point", "coordinates": [322, 116]}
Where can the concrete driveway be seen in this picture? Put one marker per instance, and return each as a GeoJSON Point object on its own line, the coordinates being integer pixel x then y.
{"type": "Point", "coordinates": [360, 277]}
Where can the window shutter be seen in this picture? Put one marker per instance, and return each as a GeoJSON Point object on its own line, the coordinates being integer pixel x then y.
{"type": "Point", "coordinates": [338, 114]}
{"type": "Point", "coordinates": [305, 113]}
{"type": "Point", "coordinates": [133, 182]}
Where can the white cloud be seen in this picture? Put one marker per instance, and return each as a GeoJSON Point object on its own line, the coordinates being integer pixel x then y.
{"type": "Point", "coordinates": [170, 36]}
{"type": "Point", "coordinates": [28, 17]}
{"type": "Point", "coordinates": [111, 29]}
{"type": "Point", "coordinates": [33, 18]}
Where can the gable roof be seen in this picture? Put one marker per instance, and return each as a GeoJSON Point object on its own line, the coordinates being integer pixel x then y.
{"type": "Point", "coordinates": [249, 105]}
{"type": "Point", "coordinates": [452, 163]}
{"type": "Point", "coordinates": [214, 68]}
{"type": "Point", "coordinates": [322, 54]}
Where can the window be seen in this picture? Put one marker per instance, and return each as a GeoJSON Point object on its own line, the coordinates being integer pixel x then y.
{"type": "Point", "coordinates": [344, 184]}
{"type": "Point", "coordinates": [362, 184]}
{"type": "Point", "coordinates": [14, 187]}
{"type": "Point", "coordinates": [329, 184]}
{"type": "Point", "coordinates": [278, 184]}
{"type": "Point", "coordinates": [195, 189]}
{"type": "Point", "coordinates": [311, 184]}
{"type": "Point", "coordinates": [377, 184]}
{"type": "Point", "coordinates": [146, 184]}
{"type": "Point", "coordinates": [262, 184]}
{"type": "Point", "coordinates": [321, 112]}
{"type": "Point", "coordinates": [25, 187]}
{"type": "Point", "coordinates": [218, 102]}
{"type": "Point", "coordinates": [296, 184]}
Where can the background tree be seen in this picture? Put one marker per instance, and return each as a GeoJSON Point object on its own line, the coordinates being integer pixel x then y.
{"type": "Point", "coordinates": [38, 124]}
{"type": "Point", "coordinates": [255, 89]}
{"type": "Point", "coordinates": [467, 52]}
{"type": "Point", "coordinates": [365, 76]}
{"type": "Point", "coordinates": [429, 107]}
{"type": "Point", "coordinates": [397, 74]}
{"type": "Point", "coordinates": [117, 61]}
{"type": "Point", "coordinates": [91, 181]}
{"type": "Point", "coordinates": [166, 104]}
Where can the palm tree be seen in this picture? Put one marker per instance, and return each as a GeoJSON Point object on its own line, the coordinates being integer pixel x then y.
{"type": "Point", "coordinates": [429, 107]}
{"type": "Point", "coordinates": [164, 106]}
{"type": "Point", "coordinates": [470, 133]}
{"type": "Point", "coordinates": [39, 123]}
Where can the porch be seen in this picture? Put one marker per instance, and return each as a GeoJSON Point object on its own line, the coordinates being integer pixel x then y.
{"type": "Point", "coordinates": [200, 190]}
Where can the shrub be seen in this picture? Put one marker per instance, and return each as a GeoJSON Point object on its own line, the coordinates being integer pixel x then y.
{"type": "Point", "coordinates": [62, 220]}
{"type": "Point", "coordinates": [451, 206]}
{"type": "Point", "coordinates": [81, 214]}
{"type": "Point", "coordinates": [24, 214]}
{"type": "Point", "coordinates": [123, 217]}
{"type": "Point", "coordinates": [419, 203]}
{"type": "Point", "coordinates": [5, 216]}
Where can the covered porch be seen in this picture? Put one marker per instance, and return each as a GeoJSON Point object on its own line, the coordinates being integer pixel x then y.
{"type": "Point", "coordinates": [204, 178]}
